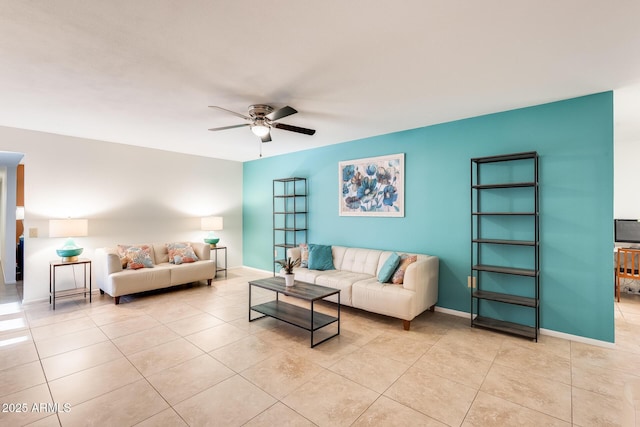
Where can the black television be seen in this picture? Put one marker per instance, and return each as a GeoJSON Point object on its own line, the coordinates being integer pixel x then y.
{"type": "Point", "coordinates": [626, 230]}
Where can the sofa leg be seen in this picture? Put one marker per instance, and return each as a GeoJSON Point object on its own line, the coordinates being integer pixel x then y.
{"type": "Point", "coordinates": [209, 282]}
{"type": "Point", "coordinates": [117, 300]}
{"type": "Point", "coordinates": [101, 292]}
{"type": "Point", "coordinates": [406, 324]}
{"type": "Point", "coordinates": [432, 308]}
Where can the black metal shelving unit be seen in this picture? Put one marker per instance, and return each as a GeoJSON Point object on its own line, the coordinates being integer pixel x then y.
{"type": "Point", "coordinates": [524, 294]}
{"type": "Point", "coordinates": [290, 216]}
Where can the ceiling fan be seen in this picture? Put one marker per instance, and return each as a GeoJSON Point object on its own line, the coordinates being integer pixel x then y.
{"type": "Point", "coordinates": [262, 118]}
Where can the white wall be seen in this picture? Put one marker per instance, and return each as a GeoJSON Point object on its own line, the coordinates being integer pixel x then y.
{"type": "Point", "coordinates": [129, 194]}
{"type": "Point", "coordinates": [626, 180]}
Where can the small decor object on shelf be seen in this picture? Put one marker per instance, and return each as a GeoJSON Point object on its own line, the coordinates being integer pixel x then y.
{"type": "Point", "coordinates": [288, 265]}
{"type": "Point", "coordinates": [211, 224]}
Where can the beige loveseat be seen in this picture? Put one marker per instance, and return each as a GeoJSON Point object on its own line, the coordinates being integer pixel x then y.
{"type": "Point", "coordinates": [116, 281]}
{"type": "Point", "coordinates": [356, 275]}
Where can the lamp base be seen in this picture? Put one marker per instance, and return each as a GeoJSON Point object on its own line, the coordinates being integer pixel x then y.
{"type": "Point", "coordinates": [212, 241]}
{"type": "Point", "coordinates": [68, 254]}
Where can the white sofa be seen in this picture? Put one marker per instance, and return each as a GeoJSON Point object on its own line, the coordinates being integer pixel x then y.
{"type": "Point", "coordinates": [356, 275]}
{"type": "Point", "coordinates": [116, 281]}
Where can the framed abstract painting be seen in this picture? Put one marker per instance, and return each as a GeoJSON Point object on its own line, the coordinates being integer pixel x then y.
{"type": "Point", "coordinates": [372, 187]}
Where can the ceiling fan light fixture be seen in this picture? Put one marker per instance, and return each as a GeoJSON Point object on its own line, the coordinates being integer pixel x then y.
{"type": "Point", "coordinates": [260, 130]}
{"type": "Point", "coordinates": [262, 118]}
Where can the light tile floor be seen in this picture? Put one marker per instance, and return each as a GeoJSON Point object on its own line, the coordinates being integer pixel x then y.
{"type": "Point", "coordinates": [189, 356]}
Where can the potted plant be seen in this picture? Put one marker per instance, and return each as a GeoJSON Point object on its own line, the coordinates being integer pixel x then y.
{"type": "Point", "coordinates": [288, 265]}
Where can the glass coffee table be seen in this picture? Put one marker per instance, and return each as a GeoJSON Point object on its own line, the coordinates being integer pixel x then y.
{"type": "Point", "coordinates": [302, 317]}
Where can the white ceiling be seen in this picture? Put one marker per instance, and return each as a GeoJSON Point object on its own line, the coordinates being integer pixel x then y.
{"type": "Point", "coordinates": [143, 72]}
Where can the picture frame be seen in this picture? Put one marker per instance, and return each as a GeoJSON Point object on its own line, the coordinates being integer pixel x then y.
{"type": "Point", "coordinates": [372, 186]}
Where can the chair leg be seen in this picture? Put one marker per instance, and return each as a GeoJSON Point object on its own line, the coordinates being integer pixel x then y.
{"type": "Point", "coordinates": [618, 288]}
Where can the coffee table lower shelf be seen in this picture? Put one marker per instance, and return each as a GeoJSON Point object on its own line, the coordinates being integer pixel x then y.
{"type": "Point", "coordinates": [294, 315]}
{"type": "Point", "coordinates": [301, 317]}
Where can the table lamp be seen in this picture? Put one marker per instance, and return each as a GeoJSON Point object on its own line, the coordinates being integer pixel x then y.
{"type": "Point", "coordinates": [211, 224]}
{"type": "Point", "coordinates": [69, 228]}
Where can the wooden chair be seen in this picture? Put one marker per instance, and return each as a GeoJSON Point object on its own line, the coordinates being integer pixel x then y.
{"type": "Point", "coordinates": [626, 266]}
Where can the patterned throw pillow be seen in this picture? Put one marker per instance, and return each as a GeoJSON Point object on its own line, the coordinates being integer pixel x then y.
{"type": "Point", "coordinates": [135, 257]}
{"type": "Point", "coordinates": [180, 253]}
{"type": "Point", "coordinates": [405, 261]}
{"type": "Point", "coordinates": [304, 255]}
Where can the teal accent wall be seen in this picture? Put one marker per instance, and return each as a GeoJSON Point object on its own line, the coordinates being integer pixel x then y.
{"type": "Point", "coordinates": [574, 139]}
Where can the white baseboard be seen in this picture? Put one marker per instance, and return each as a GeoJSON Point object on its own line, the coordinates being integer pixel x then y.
{"type": "Point", "coordinates": [94, 292]}
{"type": "Point", "coordinates": [34, 301]}
{"type": "Point", "coordinates": [547, 332]}
{"type": "Point", "coordinates": [577, 338]}
{"type": "Point", "coordinates": [452, 312]}
{"type": "Point", "coordinates": [257, 270]}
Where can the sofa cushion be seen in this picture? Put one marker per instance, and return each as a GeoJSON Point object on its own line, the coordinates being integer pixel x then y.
{"type": "Point", "coordinates": [192, 272]}
{"type": "Point", "coordinates": [181, 253]}
{"type": "Point", "coordinates": [388, 268]}
{"type": "Point", "coordinates": [358, 260]}
{"type": "Point", "coordinates": [320, 257]}
{"type": "Point", "coordinates": [160, 253]}
{"type": "Point", "coordinates": [306, 275]}
{"type": "Point", "coordinates": [383, 298]}
{"type": "Point", "coordinates": [136, 257]}
{"type": "Point", "coordinates": [340, 279]}
{"type": "Point", "coordinates": [304, 255]}
{"type": "Point", "coordinates": [132, 281]}
{"type": "Point", "coordinates": [405, 261]}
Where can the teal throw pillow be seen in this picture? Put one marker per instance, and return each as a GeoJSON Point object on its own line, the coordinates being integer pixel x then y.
{"type": "Point", "coordinates": [388, 268]}
{"type": "Point", "coordinates": [320, 257]}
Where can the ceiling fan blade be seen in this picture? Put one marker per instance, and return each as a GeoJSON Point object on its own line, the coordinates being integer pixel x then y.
{"type": "Point", "coordinates": [266, 138]}
{"type": "Point", "coordinates": [232, 112]}
{"type": "Point", "coordinates": [293, 128]}
{"type": "Point", "coordinates": [230, 127]}
{"type": "Point", "coordinates": [283, 112]}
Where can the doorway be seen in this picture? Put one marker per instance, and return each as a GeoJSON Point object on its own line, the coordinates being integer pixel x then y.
{"type": "Point", "coordinates": [9, 162]}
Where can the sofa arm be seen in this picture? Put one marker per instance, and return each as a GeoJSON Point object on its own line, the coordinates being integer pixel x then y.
{"type": "Point", "coordinates": [107, 262]}
{"type": "Point", "coordinates": [422, 277]}
{"type": "Point", "coordinates": [202, 250]}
